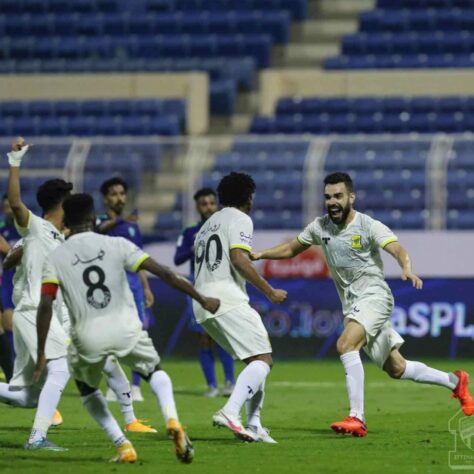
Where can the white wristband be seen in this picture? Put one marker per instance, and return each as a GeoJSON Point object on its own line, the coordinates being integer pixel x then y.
{"type": "Point", "coordinates": [15, 157]}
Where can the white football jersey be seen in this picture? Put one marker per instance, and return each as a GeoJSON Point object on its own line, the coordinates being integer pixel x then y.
{"type": "Point", "coordinates": [40, 237]}
{"type": "Point", "coordinates": [353, 255]}
{"type": "Point", "coordinates": [214, 274]}
{"type": "Point", "coordinates": [90, 270]}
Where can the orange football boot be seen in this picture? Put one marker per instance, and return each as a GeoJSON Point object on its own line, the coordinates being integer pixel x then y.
{"type": "Point", "coordinates": [461, 392]}
{"type": "Point", "coordinates": [57, 419]}
{"type": "Point", "coordinates": [350, 425]}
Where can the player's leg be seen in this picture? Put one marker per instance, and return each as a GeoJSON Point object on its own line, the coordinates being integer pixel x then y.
{"type": "Point", "coordinates": [242, 333]}
{"type": "Point", "coordinates": [228, 366]}
{"type": "Point", "coordinates": [6, 361]}
{"type": "Point", "coordinates": [24, 397]}
{"type": "Point", "coordinates": [399, 368]}
{"type": "Point", "coordinates": [348, 346]}
{"type": "Point", "coordinates": [206, 359]}
{"type": "Point", "coordinates": [56, 379]}
{"type": "Point", "coordinates": [96, 404]}
{"type": "Point", "coordinates": [118, 382]}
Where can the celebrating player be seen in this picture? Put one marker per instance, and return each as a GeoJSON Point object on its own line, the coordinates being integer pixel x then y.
{"type": "Point", "coordinates": [351, 242]}
{"type": "Point", "coordinates": [206, 205]}
{"type": "Point", "coordinates": [90, 269]}
{"type": "Point", "coordinates": [40, 236]}
{"type": "Point", "coordinates": [222, 265]}
{"type": "Point", "coordinates": [114, 191]}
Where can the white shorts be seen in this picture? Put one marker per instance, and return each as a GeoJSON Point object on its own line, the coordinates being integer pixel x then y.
{"type": "Point", "coordinates": [373, 314]}
{"type": "Point", "coordinates": [142, 358]}
{"type": "Point", "coordinates": [26, 345]}
{"type": "Point", "coordinates": [240, 332]}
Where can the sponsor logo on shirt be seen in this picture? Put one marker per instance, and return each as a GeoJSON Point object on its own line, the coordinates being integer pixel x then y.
{"type": "Point", "coordinates": [356, 241]}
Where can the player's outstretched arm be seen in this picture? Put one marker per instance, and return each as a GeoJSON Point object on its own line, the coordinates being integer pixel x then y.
{"type": "Point", "coordinates": [20, 211]}
{"type": "Point", "coordinates": [286, 250]}
{"type": "Point", "coordinates": [13, 257]}
{"type": "Point", "coordinates": [43, 321]}
{"type": "Point", "coordinates": [180, 283]}
{"type": "Point", "coordinates": [242, 263]}
{"type": "Point", "coordinates": [396, 250]}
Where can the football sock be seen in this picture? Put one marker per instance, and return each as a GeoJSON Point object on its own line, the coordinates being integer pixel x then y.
{"type": "Point", "coordinates": [421, 373]}
{"type": "Point", "coordinates": [206, 358]}
{"type": "Point", "coordinates": [96, 405]}
{"type": "Point", "coordinates": [354, 383]}
{"type": "Point", "coordinates": [227, 365]}
{"type": "Point", "coordinates": [162, 387]}
{"type": "Point", "coordinates": [254, 407]}
{"type": "Point", "coordinates": [118, 382]}
{"type": "Point", "coordinates": [136, 379]}
{"type": "Point", "coordinates": [56, 379]}
{"type": "Point", "coordinates": [248, 383]}
{"type": "Point", "coordinates": [26, 397]}
{"type": "Point", "coordinates": [6, 362]}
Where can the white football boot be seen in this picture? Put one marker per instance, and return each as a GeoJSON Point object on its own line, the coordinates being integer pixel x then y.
{"type": "Point", "coordinates": [261, 434]}
{"type": "Point", "coordinates": [234, 424]}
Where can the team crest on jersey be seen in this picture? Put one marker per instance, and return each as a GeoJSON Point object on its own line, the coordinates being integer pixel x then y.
{"type": "Point", "coordinates": [356, 241]}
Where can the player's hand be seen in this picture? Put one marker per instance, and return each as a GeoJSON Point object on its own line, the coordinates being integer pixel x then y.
{"type": "Point", "coordinates": [149, 298]}
{"type": "Point", "coordinates": [40, 365]}
{"type": "Point", "coordinates": [254, 256]}
{"type": "Point", "coordinates": [19, 148]}
{"type": "Point", "coordinates": [132, 218]}
{"type": "Point", "coordinates": [278, 296]}
{"type": "Point", "coordinates": [416, 281]}
{"type": "Point", "coordinates": [211, 304]}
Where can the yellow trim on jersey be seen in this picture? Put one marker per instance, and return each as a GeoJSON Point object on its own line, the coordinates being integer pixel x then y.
{"type": "Point", "coordinates": [241, 246]}
{"type": "Point", "coordinates": [21, 228]}
{"type": "Point", "coordinates": [50, 280]}
{"type": "Point", "coordinates": [301, 241]}
{"type": "Point", "coordinates": [388, 241]}
{"type": "Point", "coordinates": [144, 257]}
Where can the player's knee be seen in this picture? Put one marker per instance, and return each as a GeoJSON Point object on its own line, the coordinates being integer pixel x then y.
{"type": "Point", "coordinates": [343, 346]}
{"type": "Point", "coordinates": [394, 369]}
{"type": "Point", "coordinates": [205, 341]}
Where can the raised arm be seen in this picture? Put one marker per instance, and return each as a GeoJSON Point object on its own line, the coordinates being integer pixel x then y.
{"type": "Point", "coordinates": [396, 250]}
{"type": "Point", "coordinates": [20, 211]}
{"type": "Point", "coordinates": [241, 261]}
{"type": "Point", "coordinates": [286, 250]}
{"type": "Point", "coordinates": [180, 283]}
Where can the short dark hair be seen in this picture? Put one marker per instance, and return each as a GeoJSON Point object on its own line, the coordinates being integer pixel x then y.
{"type": "Point", "coordinates": [78, 209]}
{"type": "Point", "coordinates": [116, 180]}
{"type": "Point", "coordinates": [235, 189]}
{"type": "Point", "coordinates": [339, 177]}
{"type": "Point", "coordinates": [52, 193]}
{"type": "Point", "coordinates": [204, 192]}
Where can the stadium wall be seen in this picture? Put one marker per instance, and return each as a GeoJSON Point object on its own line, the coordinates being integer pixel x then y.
{"type": "Point", "coordinates": [275, 84]}
{"type": "Point", "coordinates": [193, 87]}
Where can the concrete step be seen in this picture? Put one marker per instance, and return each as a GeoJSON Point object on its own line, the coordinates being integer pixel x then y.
{"type": "Point", "coordinates": [147, 222]}
{"type": "Point", "coordinates": [324, 31]}
{"type": "Point", "coordinates": [341, 9]}
{"type": "Point", "coordinates": [309, 54]}
{"type": "Point", "coordinates": [155, 201]}
{"type": "Point", "coordinates": [173, 182]}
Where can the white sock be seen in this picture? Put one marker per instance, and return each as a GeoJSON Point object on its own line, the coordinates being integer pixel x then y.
{"type": "Point", "coordinates": [96, 405]}
{"type": "Point", "coordinates": [421, 373]}
{"type": "Point", "coordinates": [25, 397]}
{"type": "Point", "coordinates": [162, 387]}
{"type": "Point", "coordinates": [56, 379]}
{"type": "Point", "coordinates": [254, 407]}
{"type": "Point", "coordinates": [118, 382]}
{"type": "Point", "coordinates": [354, 382]}
{"type": "Point", "coordinates": [246, 386]}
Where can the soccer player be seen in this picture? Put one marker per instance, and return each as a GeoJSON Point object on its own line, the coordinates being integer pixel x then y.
{"type": "Point", "coordinates": [351, 242]}
{"type": "Point", "coordinates": [114, 192]}
{"type": "Point", "coordinates": [206, 205]}
{"type": "Point", "coordinates": [40, 236]}
{"type": "Point", "coordinates": [222, 265]}
{"type": "Point", "coordinates": [90, 270]}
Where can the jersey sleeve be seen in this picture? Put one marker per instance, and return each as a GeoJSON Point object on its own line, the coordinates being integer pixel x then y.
{"type": "Point", "coordinates": [311, 234]}
{"type": "Point", "coordinates": [241, 234]}
{"type": "Point", "coordinates": [184, 248]}
{"type": "Point", "coordinates": [381, 235]}
{"type": "Point", "coordinates": [49, 274]}
{"type": "Point", "coordinates": [133, 256]}
{"type": "Point", "coordinates": [33, 226]}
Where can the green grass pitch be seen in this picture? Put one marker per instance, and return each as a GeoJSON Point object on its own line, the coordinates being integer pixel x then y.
{"type": "Point", "coordinates": [408, 428]}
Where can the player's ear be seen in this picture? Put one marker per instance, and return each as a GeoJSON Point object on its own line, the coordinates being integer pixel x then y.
{"type": "Point", "coordinates": [352, 197]}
